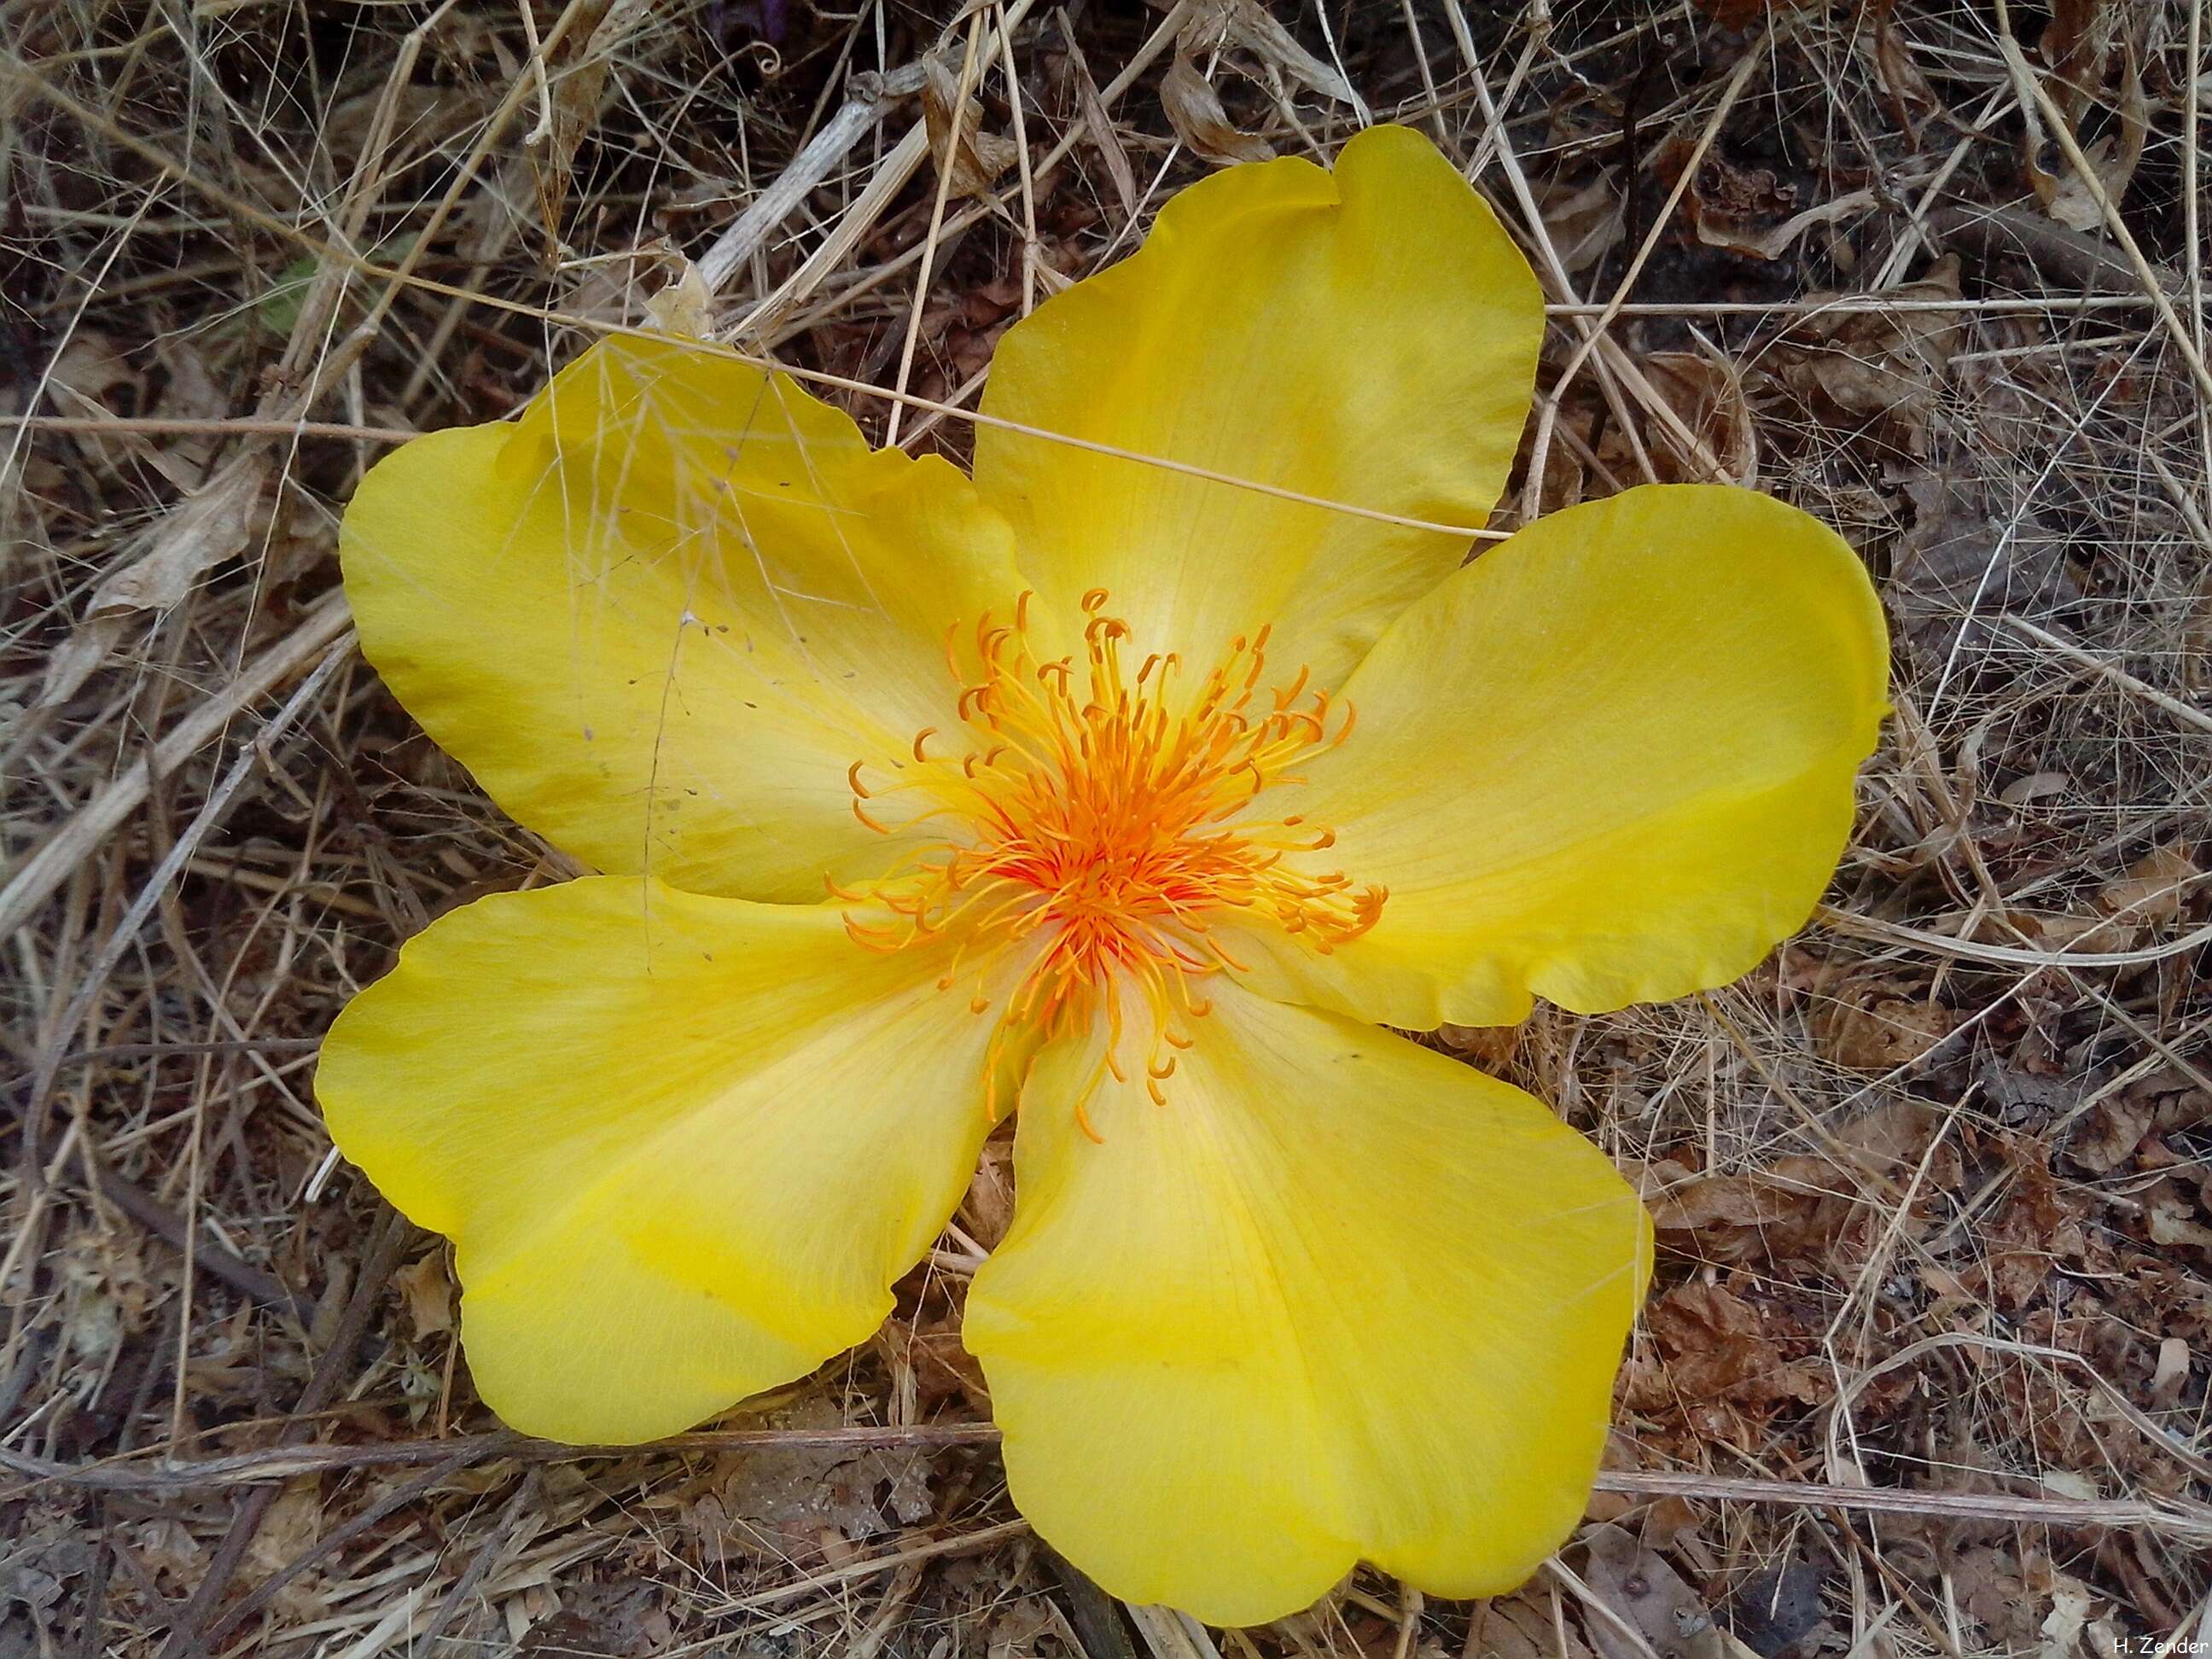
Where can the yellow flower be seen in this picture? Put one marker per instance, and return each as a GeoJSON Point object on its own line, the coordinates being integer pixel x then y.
{"type": "Point", "coordinates": [1141, 798]}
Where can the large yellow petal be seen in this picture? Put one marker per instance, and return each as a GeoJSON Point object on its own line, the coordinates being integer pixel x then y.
{"type": "Point", "coordinates": [659, 616]}
{"type": "Point", "coordinates": [1366, 336]}
{"type": "Point", "coordinates": [683, 1146]}
{"type": "Point", "coordinates": [1340, 1298]}
{"type": "Point", "coordinates": [1612, 761]}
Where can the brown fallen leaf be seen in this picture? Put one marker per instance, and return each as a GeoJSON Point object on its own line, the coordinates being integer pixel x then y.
{"type": "Point", "coordinates": [429, 1293]}
{"type": "Point", "coordinates": [576, 78]}
{"type": "Point", "coordinates": [2154, 888]}
{"type": "Point", "coordinates": [979, 157]}
{"type": "Point", "coordinates": [1637, 1586]}
{"type": "Point", "coordinates": [988, 1209]}
{"type": "Point", "coordinates": [1869, 1025]}
{"type": "Point", "coordinates": [1256, 28]}
{"type": "Point", "coordinates": [1193, 110]}
{"type": "Point", "coordinates": [1583, 215]}
{"type": "Point", "coordinates": [1521, 1626]}
{"type": "Point", "coordinates": [212, 524]}
{"type": "Point", "coordinates": [1716, 1345]}
{"type": "Point", "coordinates": [1879, 364]}
{"type": "Point", "coordinates": [1098, 129]}
{"type": "Point", "coordinates": [2094, 65]}
{"type": "Point", "coordinates": [1708, 392]}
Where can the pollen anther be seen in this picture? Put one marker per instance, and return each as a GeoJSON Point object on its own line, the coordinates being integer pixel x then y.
{"type": "Point", "coordinates": [1100, 827]}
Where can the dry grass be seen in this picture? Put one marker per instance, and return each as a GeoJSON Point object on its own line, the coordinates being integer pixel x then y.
{"type": "Point", "coordinates": [1934, 1317]}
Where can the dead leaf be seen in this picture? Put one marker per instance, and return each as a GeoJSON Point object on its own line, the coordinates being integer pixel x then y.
{"type": "Point", "coordinates": [1869, 1025]}
{"type": "Point", "coordinates": [1098, 129]}
{"type": "Point", "coordinates": [576, 78]}
{"type": "Point", "coordinates": [980, 156]}
{"type": "Point", "coordinates": [2095, 64]}
{"type": "Point", "coordinates": [2172, 1216]}
{"type": "Point", "coordinates": [1520, 1627]}
{"type": "Point", "coordinates": [2172, 1374]}
{"type": "Point", "coordinates": [1583, 216]}
{"type": "Point", "coordinates": [1638, 1586]}
{"type": "Point", "coordinates": [2070, 1606]}
{"type": "Point", "coordinates": [1879, 364]}
{"type": "Point", "coordinates": [1193, 110]}
{"type": "Point", "coordinates": [94, 367]}
{"type": "Point", "coordinates": [1708, 393]}
{"type": "Point", "coordinates": [2108, 1137]}
{"type": "Point", "coordinates": [1259, 32]}
{"type": "Point", "coordinates": [2152, 892]}
{"type": "Point", "coordinates": [683, 306]}
{"type": "Point", "coordinates": [1716, 1345]}
{"type": "Point", "coordinates": [210, 524]}
{"type": "Point", "coordinates": [429, 1293]}
{"type": "Point", "coordinates": [988, 1209]}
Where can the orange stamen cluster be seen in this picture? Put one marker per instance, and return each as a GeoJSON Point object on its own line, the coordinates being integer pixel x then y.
{"type": "Point", "coordinates": [1106, 822]}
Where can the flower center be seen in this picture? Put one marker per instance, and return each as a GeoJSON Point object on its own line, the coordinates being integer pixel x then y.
{"type": "Point", "coordinates": [1104, 823]}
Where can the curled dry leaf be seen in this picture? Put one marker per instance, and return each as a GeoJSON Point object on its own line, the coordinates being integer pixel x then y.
{"type": "Point", "coordinates": [1193, 110]}
{"type": "Point", "coordinates": [683, 306]}
{"type": "Point", "coordinates": [2154, 888]}
{"type": "Point", "coordinates": [2094, 64]}
{"type": "Point", "coordinates": [1870, 1025]}
{"type": "Point", "coordinates": [2108, 1136]}
{"type": "Point", "coordinates": [1521, 1626]}
{"type": "Point", "coordinates": [91, 367]}
{"type": "Point", "coordinates": [1583, 213]}
{"type": "Point", "coordinates": [1259, 32]}
{"type": "Point", "coordinates": [1805, 1207]}
{"type": "Point", "coordinates": [979, 157]}
{"type": "Point", "coordinates": [988, 1210]}
{"type": "Point", "coordinates": [1636, 1584]}
{"type": "Point", "coordinates": [1871, 363]}
{"type": "Point", "coordinates": [429, 1294]}
{"type": "Point", "coordinates": [1716, 1347]}
{"type": "Point", "coordinates": [1976, 547]}
{"type": "Point", "coordinates": [2129, 911]}
{"type": "Point", "coordinates": [1706, 390]}
{"type": "Point", "coordinates": [212, 524]}
{"type": "Point", "coordinates": [1098, 129]}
